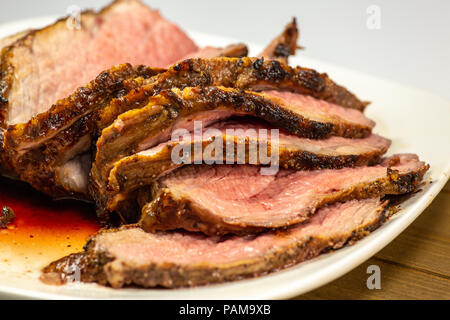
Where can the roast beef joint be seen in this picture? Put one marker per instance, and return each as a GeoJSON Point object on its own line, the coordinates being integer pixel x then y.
{"type": "Point", "coordinates": [205, 164]}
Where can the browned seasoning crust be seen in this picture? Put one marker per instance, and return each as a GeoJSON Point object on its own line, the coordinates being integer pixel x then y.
{"type": "Point", "coordinates": [97, 266]}
{"type": "Point", "coordinates": [239, 73]}
{"type": "Point", "coordinates": [283, 45]}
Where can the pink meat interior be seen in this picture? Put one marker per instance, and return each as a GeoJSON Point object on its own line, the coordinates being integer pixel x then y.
{"type": "Point", "coordinates": [135, 246]}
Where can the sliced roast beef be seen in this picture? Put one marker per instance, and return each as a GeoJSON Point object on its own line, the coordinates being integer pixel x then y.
{"type": "Point", "coordinates": [145, 127]}
{"type": "Point", "coordinates": [36, 71]}
{"type": "Point", "coordinates": [130, 256]}
{"type": "Point", "coordinates": [283, 45]}
{"type": "Point", "coordinates": [301, 115]}
{"type": "Point", "coordinates": [240, 141]}
{"type": "Point", "coordinates": [63, 132]}
{"type": "Point", "coordinates": [238, 199]}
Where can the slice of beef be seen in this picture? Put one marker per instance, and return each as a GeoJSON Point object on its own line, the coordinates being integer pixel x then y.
{"type": "Point", "coordinates": [283, 45]}
{"type": "Point", "coordinates": [240, 141]}
{"type": "Point", "coordinates": [50, 63]}
{"type": "Point", "coordinates": [240, 73]}
{"type": "Point", "coordinates": [37, 150]}
{"type": "Point", "coordinates": [238, 199]}
{"type": "Point", "coordinates": [139, 129]}
{"type": "Point", "coordinates": [130, 256]}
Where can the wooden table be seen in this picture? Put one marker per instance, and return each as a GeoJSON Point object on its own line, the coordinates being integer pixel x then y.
{"type": "Point", "coordinates": [416, 265]}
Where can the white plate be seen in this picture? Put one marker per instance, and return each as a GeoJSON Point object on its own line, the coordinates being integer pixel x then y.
{"type": "Point", "coordinates": [415, 120]}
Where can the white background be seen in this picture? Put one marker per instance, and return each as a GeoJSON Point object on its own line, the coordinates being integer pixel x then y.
{"type": "Point", "coordinates": [412, 46]}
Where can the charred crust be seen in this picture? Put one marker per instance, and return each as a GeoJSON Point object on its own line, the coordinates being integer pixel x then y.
{"type": "Point", "coordinates": [406, 183]}
{"type": "Point", "coordinates": [275, 114]}
{"type": "Point", "coordinates": [274, 73]}
{"type": "Point", "coordinates": [258, 63]}
{"type": "Point", "coordinates": [241, 73]}
{"type": "Point", "coordinates": [282, 50]}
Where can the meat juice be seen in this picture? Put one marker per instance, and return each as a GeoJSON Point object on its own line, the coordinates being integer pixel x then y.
{"type": "Point", "coordinates": [43, 230]}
